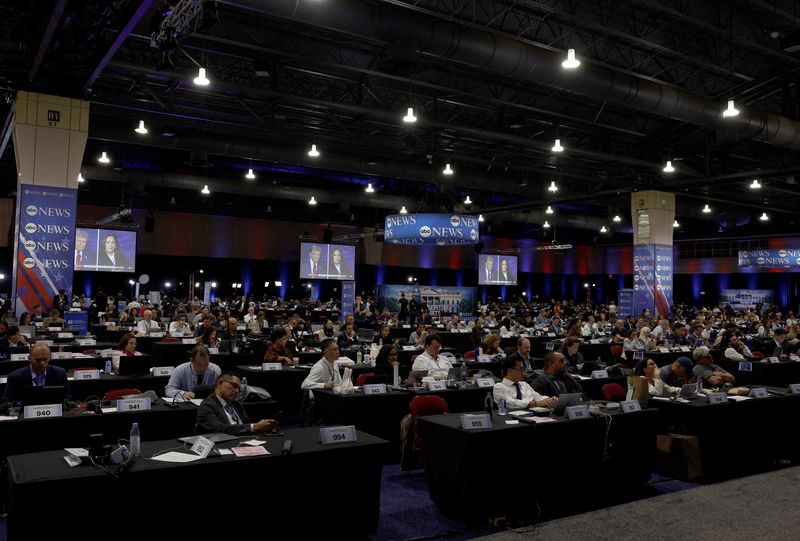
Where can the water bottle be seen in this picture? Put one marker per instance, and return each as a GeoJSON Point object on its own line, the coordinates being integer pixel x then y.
{"type": "Point", "coordinates": [243, 386]}
{"type": "Point", "coordinates": [501, 407]}
{"type": "Point", "coordinates": [135, 440]}
{"type": "Point", "coordinates": [108, 366]}
{"type": "Point", "coordinates": [358, 357]}
{"type": "Point", "coordinates": [699, 385]}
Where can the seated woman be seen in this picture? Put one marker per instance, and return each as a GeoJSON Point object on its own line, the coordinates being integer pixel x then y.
{"type": "Point", "coordinates": [126, 347]}
{"type": "Point", "coordinates": [649, 369]}
{"type": "Point", "coordinates": [209, 338]}
{"type": "Point", "coordinates": [382, 338]}
{"type": "Point", "coordinates": [491, 345]}
{"type": "Point", "coordinates": [278, 352]}
{"type": "Point", "coordinates": [259, 324]}
{"type": "Point", "coordinates": [385, 317]}
{"type": "Point", "coordinates": [395, 321]}
{"type": "Point", "coordinates": [25, 319]}
{"type": "Point", "coordinates": [572, 356]}
{"type": "Point", "coordinates": [385, 362]}
{"type": "Point", "coordinates": [327, 330]}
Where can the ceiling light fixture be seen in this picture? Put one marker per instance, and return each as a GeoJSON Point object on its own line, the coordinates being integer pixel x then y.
{"type": "Point", "coordinates": [549, 210]}
{"type": "Point", "coordinates": [617, 218]}
{"type": "Point", "coordinates": [410, 118]}
{"type": "Point", "coordinates": [603, 229]}
{"type": "Point", "coordinates": [552, 188]}
{"type": "Point", "coordinates": [447, 169]}
{"type": "Point", "coordinates": [104, 158]}
{"type": "Point", "coordinates": [546, 224]}
{"type": "Point", "coordinates": [571, 62]}
{"type": "Point", "coordinates": [764, 217]}
{"type": "Point", "coordinates": [141, 129]}
{"type": "Point", "coordinates": [755, 185]}
{"type": "Point", "coordinates": [668, 168]}
{"type": "Point", "coordinates": [480, 218]}
{"type": "Point", "coordinates": [467, 201]}
{"type": "Point", "coordinates": [403, 210]}
{"type": "Point", "coordinates": [731, 111]}
{"type": "Point", "coordinates": [201, 79]}
{"type": "Point", "coordinates": [369, 188]}
{"type": "Point", "coordinates": [312, 201]}
{"type": "Point", "coordinates": [314, 153]}
{"type": "Point", "coordinates": [557, 146]}
{"type": "Point", "coordinates": [675, 224]}
{"type": "Point", "coordinates": [205, 190]}
{"type": "Point", "coordinates": [80, 178]}
{"type": "Point", "coordinates": [250, 175]}
{"type": "Point", "coordinates": [706, 209]}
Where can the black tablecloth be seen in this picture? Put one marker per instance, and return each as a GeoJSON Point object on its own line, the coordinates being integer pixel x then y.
{"type": "Point", "coordinates": [780, 374]}
{"type": "Point", "coordinates": [158, 500]}
{"type": "Point", "coordinates": [736, 438]}
{"type": "Point", "coordinates": [508, 469]}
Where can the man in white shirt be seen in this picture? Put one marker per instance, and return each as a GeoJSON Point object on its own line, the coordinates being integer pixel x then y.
{"type": "Point", "coordinates": [250, 316]}
{"type": "Point", "coordinates": [661, 332]}
{"type": "Point", "coordinates": [324, 374]}
{"type": "Point", "coordinates": [454, 324]}
{"type": "Point", "coordinates": [517, 394]}
{"type": "Point", "coordinates": [180, 327]}
{"type": "Point", "coordinates": [737, 350]}
{"type": "Point", "coordinates": [147, 325]}
{"type": "Point", "coordinates": [429, 359]}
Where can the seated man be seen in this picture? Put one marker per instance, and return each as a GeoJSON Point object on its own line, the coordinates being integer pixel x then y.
{"type": "Point", "coordinates": [38, 374]}
{"type": "Point", "coordinates": [324, 374]}
{"type": "Point", "coordinates": [429, 359]}
{"type": "Point", "coordinates": [180, 327]}
{"type": "Point", "coordinates": [517, 393]}
{"type": "Point", "coordinates": [737, 350]}
{"type": "Point", "coordinates": [418, 337]}
{"type": "Point", "coordinates": [348, 337]}
{"type": "Point", "coordinates": [555, 380]}
{"type": "Point", "coordinates": [12, 339]}
{"type": "Point", "coordinates": [523, 354]}
{"type": "Point", "coordinates": [678, 373]}
{"type": "Point", "coordinates": [147, 325]}
{"type": "Point", "coordinates": [709, 372]}
{"type": "Point", "coordinates": [190, 375]}
{"type": "Point", "coordinates": [53, 320]}
{"type": "Point", "coordinates": [230, 339]}
{"type": "Point", "coordinates": [278, 352]}
{"type": "Point", "coordinates": [221, 412]}
{"type": "Point", "coordinates": [205, 323]}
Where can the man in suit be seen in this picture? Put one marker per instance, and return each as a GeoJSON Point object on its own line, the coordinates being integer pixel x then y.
{"type": "Point", "coordinates": [190, 375]}
{"type": "Point", "coordinates": [505, 273]}
{"type": "Point", "coordinates": [489, 272]}
{"type": "Point", "coordinates": [82, 256]}
{"type": "Point", "coordinates": [555, 380]}
{"type": "Point", "coordinates": [310, 265]}
{"type": "Point", "coordinates": [38, 374]}
{"type": "Point", "coordinates": [61, 301]}
{"type": "Point", "coordinates": [12, 339]}
{"type": "Point", "coordinates": [221, 412]}
{"type": "Point", "coordinates": [523, 354]}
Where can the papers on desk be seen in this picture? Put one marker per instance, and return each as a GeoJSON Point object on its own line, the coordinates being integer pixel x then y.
{"type": "Point", "coordinates": [249, 451]}
{"type": "Point", "coordinates": [77, 451]}
{"type": "Point", "coordinates": [409, 348]}
{"type": "Point", "coordinates": [253, 442]}
{"type": "Point", "coordinates": [580, 376]}
{"type": "Point", "coordinates": [737, 398]}
{"type": "Point", "coordinates": [538, 419]}
{"type": "Point", "coordinates": [7, 418]}
{"type": "Point", "coordinates": [196, 401]}
{"type": "Point", "coordinates": [109, 410]}
{"type": "Point", "coordinates": [225, 451]}
{"type": "Point", "coordinates": [177, 457]}
{"type": "Point", "coordinates": [662, 398]}
{"type": "Point", "coordinates": [512, 422]}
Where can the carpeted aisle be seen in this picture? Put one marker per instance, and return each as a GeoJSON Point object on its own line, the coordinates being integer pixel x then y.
{"type": "Point", "coordinates": [761, 506]}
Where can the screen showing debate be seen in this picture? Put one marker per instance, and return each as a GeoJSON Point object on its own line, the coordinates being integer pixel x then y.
{"type": "Point", "coordinates": [327, 261]}
{"type": "Point", "coordinates": [106, 250]}
{"type": "Point", "coordinates": [497, 270]}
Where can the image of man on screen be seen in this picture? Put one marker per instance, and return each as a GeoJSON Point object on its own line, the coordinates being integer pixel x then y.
{"type": "Point", "coordinates": [83, 258]}
{"type": "Point", "coordinates": [505, 272]}
{"type": "Point", "coordinates": [336, 266]}
{"type": "Point", "coordinates": [310, 266]}
{"type": "Point", "coordinates": [110, 254]}
{"type": "Point", "coordinates": [489, 272]}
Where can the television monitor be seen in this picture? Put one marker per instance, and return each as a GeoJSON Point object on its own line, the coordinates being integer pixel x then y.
{"type": "Point", "coordinates": [105, 250]}
{"type": "Point", "coordinates": [496, 269]}
{"type": "Point", "coordinates": [327, 261]}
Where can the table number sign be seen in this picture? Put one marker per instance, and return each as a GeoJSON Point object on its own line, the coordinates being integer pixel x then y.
{"type": "Point", "coordinates": [717, 398]}
{"type": "Point", "coordinates": [163, 370]}
{"type": "Point", "coordinates": [337, 434]}
{"type": "Point", "coordinates": [758, 392]}
{"type": "Point", "coordinates": [202, 446]}
{"type": "Point", "coordinates": [437, 386]}
{"type": "Point", "coordinates": [375, 388]}
{"type": "Point", "coordinates": [42, 412]}
{"type": "Point", "coordinates": [133, 404]}
{"type": "Point", "coordinates": [578, 412]}
{"type": "Point", "coordinates": [271, 367]}
{"type": "Point", "coordinates": [599, 374]}
{"type": "Point", "coordinates": [629, 406]}
{"type": "Point", "coordinates": [475, 421]}
{"type": "Point", "coordinates": [82, 375]}
{"type": "Point", "coordinates": [484, 382]}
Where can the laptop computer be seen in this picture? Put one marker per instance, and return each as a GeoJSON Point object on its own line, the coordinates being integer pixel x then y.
{"type": "Point", "coordinates": [566, 400]}
{"type": "Point", "coordinates": [457, 373]}
{"type": "Point", "coordinates": [688, 391]}
{"type": "Point", "coordinates": [415, 376]}
{"type": "Point", "coordinates": [39, 396]}
{"type": "Point", "coordinates": [136, 365]}
{"type": "Point", "coordinates": [588, 367]}
{"type": "Point", "coordinates": [216, 437]}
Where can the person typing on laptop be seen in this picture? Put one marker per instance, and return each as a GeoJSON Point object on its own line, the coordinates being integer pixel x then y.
{"type": "Point", "coordinates": [517, 393]}
{"type": "Point", "coordinates": [38, 374]}
{"type": "Point", "coordinates": [192, 374]}
{"type": "Point", "coordinates": [222, 412]}
{"type": "Point", "coordinates": [147, 325]}
{"type": "Point", "coordinates": [429, 359]}
{"type": "Point", "coordinates": [555, 380]}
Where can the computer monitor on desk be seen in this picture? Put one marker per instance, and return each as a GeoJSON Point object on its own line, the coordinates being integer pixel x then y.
{"type": "Point", "coordinates": [134, 365]}
{"type": "Point", "coordinates": [39, 396]}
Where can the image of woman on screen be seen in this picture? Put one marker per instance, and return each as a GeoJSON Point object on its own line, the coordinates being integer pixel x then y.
{"type": "Point", "coordinates": [336, 266]}
{"type": "Point", "coordinates": [110, 253]}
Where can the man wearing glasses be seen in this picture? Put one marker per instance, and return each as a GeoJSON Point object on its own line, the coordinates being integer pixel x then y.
{"type": "Point", "coordinates": [222, 412]}
{"type": "Point", "coordinates": [324, 374]}
{"type": "Point", "coordinates": [516, 392]}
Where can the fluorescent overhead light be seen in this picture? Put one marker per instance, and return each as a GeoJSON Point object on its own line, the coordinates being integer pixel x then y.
{"type": "Point", "coordinates": [201, 79]}
{"type": "Point", "coordinates": [549, 210]}
{"type": "Point", "coordinates": [755, 185]}
{"type": "Point", "coordinates": [467, 201]}
{"type": "Point", "coordinates": [314, 153]}
{"type": "Point", "coordinates": [312, 201]}
{"type": "Point", "coordinates": [205, 190]}
{"type": "Point", "coordinates": [603, 229]}
{"type": "Point", "coordinates": [668, 168]}
{"type": "Point", "coordinates": [410, 118]}
{"type": "Point", "coordinates": [447, 170]}
{"type": "Point", "coordinates": [213, 285]}
{"type": "Point", "coordinates": [369, 188]}
{"type": "Point", "coordinates": [480, 217]}
{"type": "Point", "coordinates": [546, 225]}
{"type": "Point", "coordinates": [278, 283]}
{"type": "Point", "coordinates": [167, 284]}
{"type": "Point", "coordinates": [250, 175]}
{"type": "Point", "coordinates": [197, 284]}
{"type": "Point", "coordinates": [764, 217]}
{"type": "Point", "coordinates": [731, 111]}
{"type": "Point", "coordinates": [617, 218]}
{"type": "Point", "coordinates": [104, 158]}
{"type": "Point", "coordinates": [557, 146]}
{"type": "Point", "coordinates": [676, 224]}
{"type": "Point", "coordinates": [141, 129]}
{"type": "Point", "coordinates": [403, 210]}
{"type": "Point", "coordinates": [266, 284]}
{"type": "Point", "coordinates": [552, 188]}
{"type": "Point", "coordinates": [571, 62]}
{"type": "Point", "coordinates": [706, 209]}
{"type": "Point", "coordinates": [131, 282]}
{"type": "Point", "coordinates": [80, 178]}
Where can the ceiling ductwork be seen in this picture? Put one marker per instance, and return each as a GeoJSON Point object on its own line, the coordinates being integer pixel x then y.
{"type": "Point", "coordinates": [507, 57]}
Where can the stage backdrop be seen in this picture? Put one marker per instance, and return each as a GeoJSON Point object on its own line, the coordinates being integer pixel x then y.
{"type": "Point", "coordinates": [44, 245]}
{"type": "Point", "coordinates": [743, 299]}
{"type": "Point", "coordinates": [442, 301]}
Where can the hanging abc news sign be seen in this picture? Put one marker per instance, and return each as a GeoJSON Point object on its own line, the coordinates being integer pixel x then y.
{"type": "Point", "coordinates": [431, 229]}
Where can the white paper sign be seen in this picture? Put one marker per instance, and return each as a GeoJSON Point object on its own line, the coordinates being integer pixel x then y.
{"type": "Point", "coordinates": [717, 398]}
{"type": "Point", "coordinates": [133, 404]}
{"type": "Point", "coordinates": [475, 421]}
{"type": "Point", "coordinates": [19, 356]}
{"type": "Point", "coordinates": [54, 329]}
{"type": "Point", "coordinates": [163, 370]}
{"type": "Point", "coordinates": [87, 342]}
{"type": "Point", "coordinates": [213, 351]}
{"type": "Point", "coordinates": [375, 388]}
{"type": "Point", "coordinates": [794, 388]}
{"type": "Point", "coordinates": [80, 375]}
{"type": "Point", "coordinates": [484, 358]}
{"type": "Point", "coordinates": [599, 374]}
{"type": "Point", "coordinates": [156, 334]}
{"type": "Point", "coordinates": [61, 355]}
{"type": "Point", "coordinates": [337, 434]}
{"type": "Point", "coordinates": [42, 412]}
{"type": "Point", "coordinates": [758, 392]}
{"type": "Point", "coordinates": [578, 412]}
{"type": "Point", "coordinates": [188, 340]}
{"type": "Point", "coordinates": [629, 406]}
{"type": "Point", "coordinates": [64, 335]}
{"type": "Point", "coordinates": [745, 367]}
{"type": "Point", "coordinates": [484, 382]}
{"type": "Point", "coordinates": [437, 386]}
{"type": "Point", "coordinates": [202, 446]}
{"type": "Point", "coordinates": [773, 360]}
{"type": "Point", "coordinates": [663, 350]}
{"type": "Point", "coordinates": [685, 348]}
{"type": "Point", "coordinates": [271, 367]}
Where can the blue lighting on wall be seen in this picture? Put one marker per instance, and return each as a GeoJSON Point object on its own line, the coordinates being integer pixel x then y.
{"type": "Point", "coordinates": [283, 272]}
{"type": "Point", "coordinates": [460, 278]}
{"type": "Point", "coordinates": [380, 272]}
{"type": "Point", "coordinates": [503, 292]}
{"type": "Point", "coordinates": [752, 281]}
{"type": "Point", "coordinates": [722, 281]}
{"type": "Point", "coordinates": [247, 276]}
{"type": "Point", "coordinates": [696, 288]}
{"type": "Point", "coordinates": [87, 284]}
{"type": "Point", "coordinates": [433, 277]}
